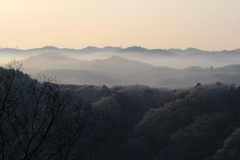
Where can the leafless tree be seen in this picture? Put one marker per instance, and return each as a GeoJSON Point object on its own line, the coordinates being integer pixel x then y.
{"type": "Point", "coordinates": [39, 120]}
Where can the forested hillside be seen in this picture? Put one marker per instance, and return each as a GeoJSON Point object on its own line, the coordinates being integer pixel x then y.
{"type": "Point", "coordinates": [138, 122]}
{"type": "Point", "coordinates": [46, 120]}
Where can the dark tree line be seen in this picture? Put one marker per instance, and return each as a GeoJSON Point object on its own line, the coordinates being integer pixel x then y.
{"type": "Point", "coordinates": [145, 123]}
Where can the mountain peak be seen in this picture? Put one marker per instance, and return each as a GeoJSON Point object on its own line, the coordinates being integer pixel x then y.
{"type": "Point", "coordinates": [191, 49]}
{"type": "Point", "coordinates": [50, 48]}
{"type": "Point", "coordinates": [134, 49]}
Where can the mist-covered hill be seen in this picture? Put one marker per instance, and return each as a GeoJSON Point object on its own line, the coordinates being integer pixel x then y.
{"type": "Point", "coordinates": [121, 71]}
{"type": "Point", "coordinates": [121, 66]}
{"type": "Point", "coordinates": [56, 60]}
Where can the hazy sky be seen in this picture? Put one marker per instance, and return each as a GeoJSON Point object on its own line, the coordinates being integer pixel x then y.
{"type": "Point", "coordinates": [204, 24]}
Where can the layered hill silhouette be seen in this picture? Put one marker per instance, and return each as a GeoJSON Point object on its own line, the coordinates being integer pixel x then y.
{"type": "Point", "coordinates": [54, 60]}
{"type": "Point", "coordinates": [173, 68]}
{"type": "Point", "coordinates": [121, 71]}
{"type": "Point", "coordinates": [118, 65]}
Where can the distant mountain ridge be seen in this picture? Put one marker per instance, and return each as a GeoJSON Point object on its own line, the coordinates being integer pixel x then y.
{"type": "Point", "coordinates": [93, 49]}
{"type": "Point", "coordinates": [138, 49]}
{"type": "Point", "coordinates": [89, 49]}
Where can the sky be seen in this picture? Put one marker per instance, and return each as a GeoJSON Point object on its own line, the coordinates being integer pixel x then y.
{"type": "Point", "coordinates": [203, 24]}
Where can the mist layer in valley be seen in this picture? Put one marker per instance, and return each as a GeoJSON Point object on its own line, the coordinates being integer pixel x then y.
{"type": "Point", "coordinates": [111, 66]}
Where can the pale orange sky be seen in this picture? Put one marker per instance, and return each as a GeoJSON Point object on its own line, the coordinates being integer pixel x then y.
{"type": "Point", "coordinates": [204, 24]}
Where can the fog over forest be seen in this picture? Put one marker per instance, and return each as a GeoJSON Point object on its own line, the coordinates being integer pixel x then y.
{"type": "Point", "coordinates": [121, 104]}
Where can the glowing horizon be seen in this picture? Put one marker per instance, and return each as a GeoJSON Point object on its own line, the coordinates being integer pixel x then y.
{"type": "Point", "coordinates": [151, 24]}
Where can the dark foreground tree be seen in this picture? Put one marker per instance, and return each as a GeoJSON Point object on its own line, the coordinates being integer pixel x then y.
{"type": "Point", "coordinates": [38, 120]}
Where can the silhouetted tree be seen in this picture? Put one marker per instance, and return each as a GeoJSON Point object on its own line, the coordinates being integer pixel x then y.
{"type": "Point", "coordinates": [38, 120]}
